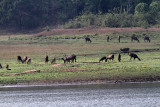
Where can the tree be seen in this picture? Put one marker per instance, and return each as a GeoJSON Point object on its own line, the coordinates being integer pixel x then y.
{"type": "Point", "coordinates": [154, 9]}
{"type": "Point", "coordinates": [141, 8]}
{"type": "Point", "coordinates": [142, 14]}
{"type": "Point", "coordinates": [29, 14]}
{"type": "Point", "coordinates": [6, 10]}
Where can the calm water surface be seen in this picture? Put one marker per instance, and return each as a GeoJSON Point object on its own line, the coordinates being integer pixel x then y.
{"type": "Point", "coordinates": [105, 95]}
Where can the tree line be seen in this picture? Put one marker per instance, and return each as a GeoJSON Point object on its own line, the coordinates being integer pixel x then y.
{"type": "Point", "coordinates": [29, 14]}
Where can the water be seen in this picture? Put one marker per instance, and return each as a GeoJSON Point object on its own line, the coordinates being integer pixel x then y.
{"type": "Point", "coordinates": [105, 95]}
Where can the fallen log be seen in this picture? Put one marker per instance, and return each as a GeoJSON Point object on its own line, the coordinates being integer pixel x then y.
{"type": "Point", "coordinates": [31, 71]}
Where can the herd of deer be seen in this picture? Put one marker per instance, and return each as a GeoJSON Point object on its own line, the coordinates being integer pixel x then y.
{"type": "Point", "coordinates": [72, 58]}
{"type": "Point", "coordinates": [124, 50]}
{"type": "Point", "coordinates": [24, 60]}
{"type": "Point", "coordinates": [133, 38]}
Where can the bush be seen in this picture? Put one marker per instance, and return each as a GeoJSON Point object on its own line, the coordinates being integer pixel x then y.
{"type": "Point", "coordinates": [114, 20]}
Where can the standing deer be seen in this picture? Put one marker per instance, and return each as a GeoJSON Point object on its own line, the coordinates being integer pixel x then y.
{"type": "Point", "coordinates": [125, 50]}
{"type": "Point", "coordinates": [119, 57]}
{"type": "Point", "coordinates": [107, 38]}
{"type": "Point", "coordinates": [46, 59]}
{"type": "Point", "coordinates": [0, 65]}
{"type": "Point", "coordinates": [119, 39]}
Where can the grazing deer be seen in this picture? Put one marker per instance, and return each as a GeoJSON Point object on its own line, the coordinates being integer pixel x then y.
{"type": "Point", "coordinates": [53, 60]}
{"type": "Point", "coordinates": [132, 55]}
{"type": "Point", "coordinates": [103, 58]}
{"type": "Point", "coordinates": [7, 67]}
{"type": "Point", "coordinates": [28, 60]}
{"type": "Point", "coordinates": [146, 38]}
{"type": "Point", "coordinates": [88, 40]}
{"type": "Point", "coordinates": [24, 59]}
{"type": "Point", "coordinates": [69, 57]}
{"type": "Point", "coordinates": [110, 57]}
{"type": "Point", "coordinates": [19, 59]}
{"type": "Point", "coordinates": [133, 37]}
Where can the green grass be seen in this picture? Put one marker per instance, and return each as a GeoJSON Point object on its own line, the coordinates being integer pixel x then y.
{"type": "Point", "coordinates": [87, 67]}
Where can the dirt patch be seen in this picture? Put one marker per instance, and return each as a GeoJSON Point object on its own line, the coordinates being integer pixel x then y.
{"type": "Point", "coordinates": [93, 30]}
{"type": "Point", "coordinates": [55, 65]}
{"type": "Point", "coordinates": [25, 72]}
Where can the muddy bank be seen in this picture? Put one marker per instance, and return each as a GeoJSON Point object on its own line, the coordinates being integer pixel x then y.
{"type": "Point", "coordinates": [84, 82]}
{"type": "Point", "coordinates": [35, 84]}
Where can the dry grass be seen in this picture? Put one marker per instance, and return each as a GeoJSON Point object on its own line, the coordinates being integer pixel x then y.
{"type": "Point", "coordinates": [93, 30]}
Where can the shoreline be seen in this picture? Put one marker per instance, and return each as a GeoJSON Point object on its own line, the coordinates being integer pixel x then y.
{"type": "Point", "coordinates": [23, 85]}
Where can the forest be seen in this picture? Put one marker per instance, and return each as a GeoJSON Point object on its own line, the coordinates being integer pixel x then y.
{"type": "Point", "coordinates": [31, 14]}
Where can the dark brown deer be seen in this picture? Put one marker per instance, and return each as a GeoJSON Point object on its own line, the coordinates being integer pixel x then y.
{"type": "Point", "coordinates": [53, 60]}
{"type": "Point", "coordinates": [28, 60]}
{"type": "Point", "coordinates": [24, 59]}
{"type": "Point", "coordinates": [7, 67]}
{"type": "Point", "coordinates": [0, 65]}
{"type": "Point", "coordinates": [133, 55]}
{"type": "Point", "coordinates": [107, 38]}
{"type": "Point", "coordinates": [119, 57]}
{"type": "Point", "coordinates": [125, 50]}
{"type": "Point", "coordinates": [110, 57]}
{"type": "Point", "coordinates": [46, 59]}
{"type": "Point", "coordinates": [133, 37]}
{"type": "Point", "coordinates": [88, 40]}
{"type": "Point", "coordinates": [119, 39]}
{"type": "Point", "coordinates": [103, 58]}
{"type": "Point", "coordinates": [146, 38]}
{"type": "Point", "coordinates": [19, 59]}
{"type": "Point", "coordinates": [69, 58]}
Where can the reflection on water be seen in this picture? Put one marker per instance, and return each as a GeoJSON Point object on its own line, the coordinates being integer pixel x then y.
{"type": "Point", "coordinates": [105, 95]}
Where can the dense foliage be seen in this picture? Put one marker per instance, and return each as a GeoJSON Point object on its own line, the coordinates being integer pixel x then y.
{"type": "Point", "coordinates": [26, 14]}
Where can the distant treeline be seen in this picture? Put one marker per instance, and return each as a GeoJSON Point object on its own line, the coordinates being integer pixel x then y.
{"type": "Point", "coordinates": [29, 14]}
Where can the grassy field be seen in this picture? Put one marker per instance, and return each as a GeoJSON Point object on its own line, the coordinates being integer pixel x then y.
{"type": "Point", "coordinates": [87, 68]}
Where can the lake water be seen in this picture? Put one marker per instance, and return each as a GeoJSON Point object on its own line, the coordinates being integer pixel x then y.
{"type": "Point", "coordinates": [104, 95]}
